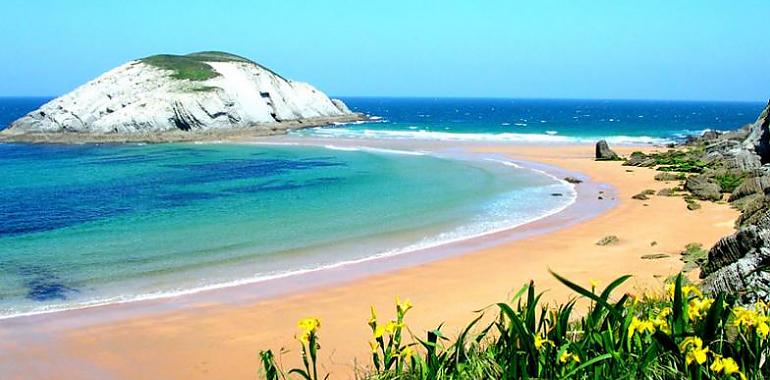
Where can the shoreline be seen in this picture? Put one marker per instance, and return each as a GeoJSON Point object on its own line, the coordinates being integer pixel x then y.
{"type": "Point", "coordinates": [360, 267]}
{"type": "Point", "coordinates": [472, 279]}
{"type": "Point", "coordinates": [211, 135]}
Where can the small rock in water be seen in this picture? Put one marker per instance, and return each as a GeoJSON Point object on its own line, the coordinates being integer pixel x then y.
{"type": "Point", "coordinates": [556, 194]}
{"type": "Point", "coordinates": [573, 180]}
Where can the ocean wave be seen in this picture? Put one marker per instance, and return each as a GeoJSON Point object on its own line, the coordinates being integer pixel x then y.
{"type": "Point", "coordinates": [358, 148]}
{"type": "Point", "coordinates": [479, 137]}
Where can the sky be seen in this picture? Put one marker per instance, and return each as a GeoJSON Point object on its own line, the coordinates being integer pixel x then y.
{"type": "Point", "coordinates": [598, 49]}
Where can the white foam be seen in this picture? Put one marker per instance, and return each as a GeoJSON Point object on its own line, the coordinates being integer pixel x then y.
{"type": "Point", "coordinates": [479, 137]}
{"type": "Point", "coordinates": [357, 148]}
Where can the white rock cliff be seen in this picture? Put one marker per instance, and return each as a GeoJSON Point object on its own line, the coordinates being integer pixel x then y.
{"type": "Point", "coordinates": [140, 97]}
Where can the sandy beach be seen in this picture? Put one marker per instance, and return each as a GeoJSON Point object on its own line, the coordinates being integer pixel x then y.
{"type": "Point", "coordinates": [221, 339]}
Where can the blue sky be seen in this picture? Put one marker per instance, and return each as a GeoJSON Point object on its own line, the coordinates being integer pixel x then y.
{"type": "Point", "coordinates": [715, 50]}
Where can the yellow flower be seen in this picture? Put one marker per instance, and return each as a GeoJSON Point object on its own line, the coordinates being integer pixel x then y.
{"type": "Point", "coordinates": [309, 324]}
{"type": "Point", "coordinates": [728, 366]}
{"type": "Point", "coordinates": [391, 326]}
{"type": "Point", "coordinates": [378, 331]}
{"type": "Point", "coordinates": [763, 329]}
{"type": "Point", "coordinates": [303, 337]}
{"type": "Point", "coordinates": [403, 307]}
{"type": "Point", "coordinates": [745, 319]}
{"type": "Point", "coordinates": [660, 321]}
{"type": "Point", "coordinates": [688, 290]}
{"type": "Point", "coordinates": [594, 283]}
{"type": "Point", "coordinates": [540, 342]}
{"type": "Point", "coordinates": [693, 347]}
{"type": "Point", "coordinates": [698, 307]}
{"type": "Point", "coordinates": [640, 326]}
{"type": "Point", "coordinates": [373, 345]}
{"type": "Point", "coordinates": [307, 327]}
{"type": "Point", "coordinates": [406, 352]}
{"type": "Point", "coordinates": [567, 356]}
{"type": "Point", "coordinates": [373, 318]}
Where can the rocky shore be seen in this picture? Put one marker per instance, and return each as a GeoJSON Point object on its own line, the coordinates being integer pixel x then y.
{"type": "Point", "coordinates": [206, 95]}
{"type": "Point", "coordinates": [729, 167]}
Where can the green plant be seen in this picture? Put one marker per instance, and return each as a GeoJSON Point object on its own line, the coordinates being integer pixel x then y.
{"type": "Point", "coordinates": [729, 181]}
{"type": "Point", "coordinates": [679, 334]}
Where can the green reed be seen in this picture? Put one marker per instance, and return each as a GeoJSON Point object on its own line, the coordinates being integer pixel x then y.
{"type": "Point", "coordinates": [678, 334]}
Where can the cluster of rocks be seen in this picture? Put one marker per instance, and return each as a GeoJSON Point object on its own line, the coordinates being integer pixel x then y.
{"type": "Point", "coordinates": [717, 163]}
{"type": "Point", "coordinates": [739, 263]}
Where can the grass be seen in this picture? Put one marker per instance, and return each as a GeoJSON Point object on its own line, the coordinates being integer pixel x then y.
{"type": "Point", "coordinates": [678, 334]}
{"type": "Point", "coordinates": [193, 66]}
{"type": "Point", "coordinates": [676, 160]}
{"type": "Point", "coordinates": [693, 256]}
{"type": "Point", "coordinates": [729, 181]}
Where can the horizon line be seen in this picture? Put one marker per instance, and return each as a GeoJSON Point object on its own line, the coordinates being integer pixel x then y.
{"type": "Point", "coordinates": [483, 98]}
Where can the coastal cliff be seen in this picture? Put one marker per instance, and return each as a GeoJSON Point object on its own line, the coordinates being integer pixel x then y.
{"type": "Point", "coordinates": [171, 97]}
{"type": "Point", "coordinates": [734, 166]}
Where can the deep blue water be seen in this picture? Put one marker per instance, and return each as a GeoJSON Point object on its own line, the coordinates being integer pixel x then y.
{"type": "Point", "coordinates": [640, 121]}
{"type": "Point", "coordinates": [543, 120]}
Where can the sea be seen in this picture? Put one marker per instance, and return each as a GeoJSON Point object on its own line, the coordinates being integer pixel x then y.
{"type": "Point", "coordinates": [88, 225]}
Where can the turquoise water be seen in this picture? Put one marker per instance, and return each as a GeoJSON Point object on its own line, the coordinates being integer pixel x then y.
{"type": "Point", "coordinates": [84, 225]}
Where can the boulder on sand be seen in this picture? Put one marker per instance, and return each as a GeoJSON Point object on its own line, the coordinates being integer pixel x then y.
{"type": "Point", "coordinates": [604, 153]}
{"type": "Point", "coordinates": [703, 187]}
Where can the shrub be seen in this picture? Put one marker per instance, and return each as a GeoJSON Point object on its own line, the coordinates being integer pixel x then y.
{"type": "Point", "coordinates": [679, 334]}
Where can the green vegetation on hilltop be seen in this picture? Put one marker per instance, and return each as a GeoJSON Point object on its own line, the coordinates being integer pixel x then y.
{"type": "Point", "coordinates": [182, 67]}
{"type": "Point", "coordinates": [193, 66]}
{"type": "Point", "coordinates": [677, 334]}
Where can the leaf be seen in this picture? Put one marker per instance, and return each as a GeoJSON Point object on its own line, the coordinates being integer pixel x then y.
{"type": "Point", "coordinates": [301, 372]}
{"type": "Point", "coordinates": [587, 293]}
{"type": "Point", "coordinates": [588, 363]}
{"type": "Point", "coordinates": [666, 341]}
{"type": "Point", "coordinates": [713, 319]}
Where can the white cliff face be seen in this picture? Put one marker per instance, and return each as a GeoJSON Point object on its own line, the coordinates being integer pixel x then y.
{"type": "Point", "coordinates": [141, 98]}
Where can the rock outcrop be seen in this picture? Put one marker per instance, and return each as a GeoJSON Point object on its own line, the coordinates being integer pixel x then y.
{"type": "Point", "coordinates": [703, 187]}
{"type": "Point", "coordinates": [208, 91]}
{"type": "Point", "coordinates": [604, 153]}
{"type": "Point", "coordinates": [739, 264]}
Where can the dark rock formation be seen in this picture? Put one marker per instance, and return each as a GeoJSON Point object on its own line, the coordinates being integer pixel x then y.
{"type": "Point", "coordinates": [756, 182]}
{"type": "Point", "coordinates": [668, 176]}
{"type": "Point", "coordinates": [759, 136]}
{"type": "Point", "coordinates": [703, 187]}
{"type": "Point", "coordinates": [738, 264]}
{"type": "Point", "coordinates": [604, 153]}
{"type": "Point", "coordinates": [640, 159]}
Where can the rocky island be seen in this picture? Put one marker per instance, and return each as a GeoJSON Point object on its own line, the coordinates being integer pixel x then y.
{"type": "Point", "coordinates": [205, 95]}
